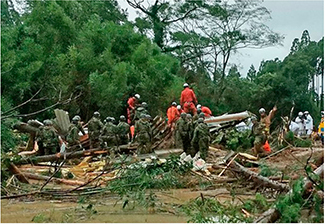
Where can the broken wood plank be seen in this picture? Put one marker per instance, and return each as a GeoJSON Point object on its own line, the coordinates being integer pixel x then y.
{"type": "Point", "coordinates": [228, 165]}
{"type": "Point", "coordinates": [20, 176]}
{"type": "Point", "coordinates": [54, 179]}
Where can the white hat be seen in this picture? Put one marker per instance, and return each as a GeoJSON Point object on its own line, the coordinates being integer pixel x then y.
{"type": "Point", "coordinates": [300, 113]}
{"type": "Point", "coordinates": [198, 106]}
{"type": "Point", "coordinates": [174, 103]}
{"type": "Point", "coordinates": [306, 112]}
{"type": "Point", "coordinates": [262, 110]}
{"type": "Point", "coordinates": [185, 85]}
{"type": "Point", "coordinates": [179, 107]}
{"type": "Point", "coordinates": [137, 96]}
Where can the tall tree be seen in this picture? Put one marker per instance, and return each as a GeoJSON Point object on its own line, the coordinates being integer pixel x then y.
{"type": "Point", "coordinates": [162, 14]}
{"type": "Point", "coordinates": [251, 74]}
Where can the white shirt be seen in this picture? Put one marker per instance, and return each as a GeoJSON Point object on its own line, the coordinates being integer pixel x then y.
{"type": "Point", "coordinates": [309, 122]}
{"type": "Point", "coordinates": [301, 123]}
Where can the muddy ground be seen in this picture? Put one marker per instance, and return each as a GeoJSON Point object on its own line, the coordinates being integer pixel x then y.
{"type": "Point", "coordinates": [108, 208]}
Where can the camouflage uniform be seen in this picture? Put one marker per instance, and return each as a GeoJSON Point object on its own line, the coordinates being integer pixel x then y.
{"type": "Point", "coordinates": [73, 135]}
{"type": "Point", "coordinates": [109, 134]}
{"type": "Point", "coordinates": [202, 137]}
{"type": "Point", "coordinates": [195, 145]}
{"type": "Point", "coordinates": [143, 133]}
{"type": "Point", "coordinates": [139, 111]}
{"type": "Point", "coordinates": [123, 132]}
{"type": "Point", "coordinates": [94, 128]}
{"type": "Point", "coordinates": [182, 134]}
{"type": "Point", "coordinates": [259, 132]}
{"type": "Point", "coordinates": [48, 139]}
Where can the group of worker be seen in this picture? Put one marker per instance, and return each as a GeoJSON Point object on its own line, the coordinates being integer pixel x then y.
{"type": "Point", "coordinates": [303, 124]}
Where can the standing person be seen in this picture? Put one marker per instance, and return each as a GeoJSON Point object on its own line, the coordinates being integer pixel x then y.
{"type": "Point", "coordinates": [201, 138]}
{"type": "Point", "coordinates": [132, 103]}
{"type": "Point", "coordinates": [48, 138]}
{"type": "Point", "coordinates": [123, 131]}
{"type": "Point", "coordinates": [182, 134]}
{"type": "Point", "coordinates": [79, 124]}
{"type": "Point", "coordinates": [206, 110]}
{"type": "Point", "coordinates": [180, 110]}
{"type": "Point", "coordinates": [301, 122]}
{"type": "Point", "coordinates": [266, 119]}
{"type": "Point", "coordinates": [94, 129]}
{"type": "Point", "coordinates": [73, 132]}
{"type": "Point", "coordinates": [172, 115]}
{"type": "Point", "coordinates": [142, 133]}
{"type": "Point", "coordinates": [309, 123]}
{"type": "Point", "coordinates": [108, 135]}
{"type": "Point", "coordinates": [321, 128]}
{"type": "Point", "coordinates": [188, 100]}
{"type": "Point", "coordinates": [258, 131]}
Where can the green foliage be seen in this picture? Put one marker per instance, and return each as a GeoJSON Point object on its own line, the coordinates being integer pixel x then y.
{"type": "Point", "coordinates": [135, 180]}
{"type": "Point", "coordinates": [290, 205]}
{"type": "Point", "coordinates": [257, 205]}
{"type": "Point", "coordinates": [234, 140]}
{"type": "Point", "coordinates": [266, 171]}
{"type": "Point", "coordinates": [210, 210]}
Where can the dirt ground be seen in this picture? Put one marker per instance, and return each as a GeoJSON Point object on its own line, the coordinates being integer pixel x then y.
{"type": "Point", "coordinates": [289, 163]}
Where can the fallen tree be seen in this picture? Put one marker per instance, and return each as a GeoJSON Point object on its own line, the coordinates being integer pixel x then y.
{"type": "Point", "coordinates": [53, 179]}
{"type": "Point", "coordinates": [272, 215]}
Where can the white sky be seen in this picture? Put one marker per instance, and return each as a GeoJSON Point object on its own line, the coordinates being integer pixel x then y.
{"type": "Point", "coordinates": [289, 18]}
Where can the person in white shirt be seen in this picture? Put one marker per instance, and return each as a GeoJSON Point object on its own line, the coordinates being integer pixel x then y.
{"type": "Point", "coordinates": [308, 123]}
{"type": "Point", "coordinates": [301, 122]}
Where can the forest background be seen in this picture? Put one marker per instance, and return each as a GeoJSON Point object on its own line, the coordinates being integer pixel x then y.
{"type": "Point", "coordinates": [85, 56]}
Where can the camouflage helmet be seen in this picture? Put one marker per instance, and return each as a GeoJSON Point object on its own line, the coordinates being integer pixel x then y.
{"type": "Point", "coordinates": [189, 115]}
{"type": "Point", "coordinates": [200, 120]}
{"type": "Point", "coordinates": [78, 117]}
{"type": "Point", "coordinates": [96, 114]}
{"type": "Point", "coordinates": [201, 115]}
{"type": "Point", "coordinates": [253, 118]}
{"type": "Point", "coordinates": [144, 104]}
{"type": "Point", "coordinates": [122, 118]}
{"type": "Point", "coordinates": [47, 122]}
{"type": "Point", "coordinates": [143, 116]}
{"type": "Point", "coordinates": [108, 119]}
{"type": "Point", "coordinates": [183, 115]}
{"type": "Point", "coordinates": [112, 119]}
{"type": "Point", "coordinates": [75, 119]}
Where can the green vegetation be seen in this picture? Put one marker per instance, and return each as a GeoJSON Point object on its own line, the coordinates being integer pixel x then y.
{"type": "Point", "coordinates": [235, 140]}
{"type": "Point", "coordinates": [133, 182]}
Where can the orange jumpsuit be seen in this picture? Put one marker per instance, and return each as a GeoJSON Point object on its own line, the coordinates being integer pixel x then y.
{"type": "Point", "coordinates": [172, 114]}
{"type": "Point", "coordinates": [131, 108]}
{"type": "Point", "coordinates": [188, 100]}
{"type": "Point", "coordinates": [207, 112]}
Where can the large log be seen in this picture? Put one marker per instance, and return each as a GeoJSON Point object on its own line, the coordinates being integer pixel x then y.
{"type": "Point", "coordinates": [260, 179]}
{"type": "Point", "coordinates": [213, 121]}
{"type": "Point", "coordinates": [20, 176]}
{"type": "Point", "coordinates": [272, 215]}
{"type": "Point", "coordinates": [25, 128]}
{"type": "Point", "coordinates": [54, 179]}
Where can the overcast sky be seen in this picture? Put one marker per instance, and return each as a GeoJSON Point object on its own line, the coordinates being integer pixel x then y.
{"type": "Point", "coordinates": [289, 18]}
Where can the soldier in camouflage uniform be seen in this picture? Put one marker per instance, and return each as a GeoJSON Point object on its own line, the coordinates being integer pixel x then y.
{"type": "Point", "coordinates": [195, 145]}
{"type": "Point", "coordinates": [94, 129]}
{"type": "Point", "coordinates": [109, 133]}
{"type": "Point", "coordinates": [196, 116]}
{"type": "Point", "coordinates": [123, 131]}
{"type": "Point", "coordinates": [182, 132]}
{"type": "Point", "coordinates": [48, 139]}
{"type": "Point", "coordinates": [79, 125]}
{"type": "Point", "coordinates": [202, 137]}
{"type": "Point", "coordinates": [143, 135]}
{"type": "Point", "coordinates": [258, 131]}
{"type": "Point", "coordinates": [73, 132]}
{"type": "Point", "coordinates": [191, 129]}
{"type": "Point", "coordinates": [141, 110]}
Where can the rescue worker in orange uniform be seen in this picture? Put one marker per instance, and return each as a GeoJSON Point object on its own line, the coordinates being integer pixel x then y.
{"type": "Point", "coordinates": [180, 110]}
{"type": "Point", "coordinates": [172, 115]}
{"type": "Point", "coordinates": [132, 102]}
{"type": "Point", "coordinates": [188, 100]}
{"type": "Point", "coordinates": [206, 110]}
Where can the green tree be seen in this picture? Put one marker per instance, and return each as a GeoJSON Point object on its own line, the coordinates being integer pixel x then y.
{"type": "Point", "coordinates": [251, 74]}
